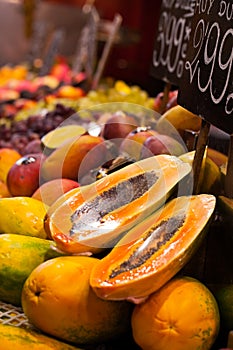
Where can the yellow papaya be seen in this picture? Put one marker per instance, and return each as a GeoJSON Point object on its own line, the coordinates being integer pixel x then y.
{"type": "Point", "coordinates": [95, 216]}
{"type": "Point", "coordinates": [13, 337]}
{"type": "Point", "coordinates": [19, 255]}
{"type": "Point", "coordinates": [181, 315]}
{"type": "Point", "coordinates": [153, 251]}
{"type": "Point", "coordinates": [22, 215]}
{"type": "Point", "coordinates": [58, 300]}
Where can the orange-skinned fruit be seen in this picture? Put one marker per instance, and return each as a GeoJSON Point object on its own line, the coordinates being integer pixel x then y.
{"type": "Point", "coordinates": [58, 300]}
{"type": "Point", "coordinates": [182, 315]}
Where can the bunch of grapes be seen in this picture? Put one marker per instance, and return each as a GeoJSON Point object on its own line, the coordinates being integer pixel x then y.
{"type": "Point", "coordinates": [19, 134]}
{"type": "Point", "coordinates": [119, 92]}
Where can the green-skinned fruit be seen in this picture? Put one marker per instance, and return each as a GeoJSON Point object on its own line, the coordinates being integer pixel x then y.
{"type": "Point", "coordinates": [23, 216]}
{"type": "Point", "coordinates": [13, 337]}
{"type": "Point", "coordinates": [19, 255]}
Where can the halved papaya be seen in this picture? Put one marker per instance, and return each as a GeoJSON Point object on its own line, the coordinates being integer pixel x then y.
{"type": "Point", "coordinates": [96, 216]}
{"type": "Point", "coordinates": [153, 251]}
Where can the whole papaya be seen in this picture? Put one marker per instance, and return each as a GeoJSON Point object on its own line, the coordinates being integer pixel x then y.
{"type": "Point", "coordinates": [19, 255]}
{"type": "Point", "coordinates": [22, 215]}
{"type": "Point", "coordinates": [58, 300]}
{"type": "Point", "coordinates": [28, 339]}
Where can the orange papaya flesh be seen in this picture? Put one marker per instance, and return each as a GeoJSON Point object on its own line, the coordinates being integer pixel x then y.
{"type": "Point", "coordinates": [153, 251]}
{"type": "Point", "coordinates": [96, 216]}
{"type": "Point", "coordinates": [56, 204]}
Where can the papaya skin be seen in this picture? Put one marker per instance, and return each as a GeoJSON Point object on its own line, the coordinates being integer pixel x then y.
{"type": "Point", "coordinates": [28, 339]}
{"type": "Point", "coordinates": [183, 313]}
{"type": "Point", "coordinates": [19, 255]}
{"type": "Point", "coordinates": [23, 215]}
{"type": "Point", "coordinates": [58, 300]}
{"type": "Point", "coordinates": [151, 253]}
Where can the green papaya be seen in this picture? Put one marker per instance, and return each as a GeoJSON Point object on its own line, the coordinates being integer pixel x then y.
{"type": "Point", "coordinates": [13, 337]}
{"type": "Point", "coordinates": [19, 255]}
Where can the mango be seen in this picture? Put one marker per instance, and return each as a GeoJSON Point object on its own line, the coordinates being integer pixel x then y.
{"type": "Point", "coordinates": [75, 158]}
{"type": "Point", "coordinates": [178, 119]}
{"type": "Point", "coordinates": [23, 215]}
{"type": "Point", "coordinates": [56, 137]}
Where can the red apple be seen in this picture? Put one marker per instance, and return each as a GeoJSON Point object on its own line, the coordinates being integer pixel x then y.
{"type": "Point", "coordinates": [24, 176]}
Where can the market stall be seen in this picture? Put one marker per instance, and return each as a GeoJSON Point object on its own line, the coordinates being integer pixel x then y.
{"type": "Point", "coordinates": [116, 204]}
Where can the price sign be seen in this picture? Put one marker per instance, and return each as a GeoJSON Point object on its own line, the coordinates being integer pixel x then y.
{"type": "Point", "coordinates": [173, 36]}
{"type": "Point", "coordinates": [206, 88]}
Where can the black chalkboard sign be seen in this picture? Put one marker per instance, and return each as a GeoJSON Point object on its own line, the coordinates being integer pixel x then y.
{"type": "Point", "coordinates": [206, 88]}
{"type": "Point", "coordinates": [172, 38]}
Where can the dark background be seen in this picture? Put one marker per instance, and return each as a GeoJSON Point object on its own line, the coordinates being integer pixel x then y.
{"type": "Point", "coordinates": [129, 59]}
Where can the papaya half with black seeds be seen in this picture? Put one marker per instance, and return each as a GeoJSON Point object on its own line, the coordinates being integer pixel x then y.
{"type": "Point", "coordinates": [96, 216]}
{"type": "Point", "coordinates": [155, 250]}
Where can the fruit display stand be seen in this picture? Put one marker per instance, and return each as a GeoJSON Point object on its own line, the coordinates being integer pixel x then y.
{"type": "Point", "coordinates": [99, 288]}
{"type": "Point", "coordinates": [15, 316]}
{"type": "Point", "coordinates": [12, 315]}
